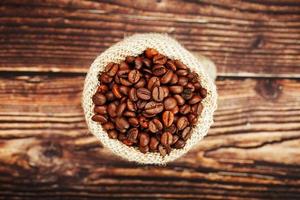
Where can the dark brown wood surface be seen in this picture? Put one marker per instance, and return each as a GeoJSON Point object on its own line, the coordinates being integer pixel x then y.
{"type": "Point", "coordinates": [252, 150]}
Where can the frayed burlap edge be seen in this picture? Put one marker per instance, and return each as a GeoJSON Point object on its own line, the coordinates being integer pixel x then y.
{"type": "Point", "coordinates": [133, 46]}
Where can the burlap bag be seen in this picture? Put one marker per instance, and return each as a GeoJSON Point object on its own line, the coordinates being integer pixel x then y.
{"type": "Point", "coordinates": [133, 46]}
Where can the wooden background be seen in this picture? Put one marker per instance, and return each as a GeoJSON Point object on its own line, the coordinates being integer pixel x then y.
{"type": "Point", "coordinates": [252, 151]}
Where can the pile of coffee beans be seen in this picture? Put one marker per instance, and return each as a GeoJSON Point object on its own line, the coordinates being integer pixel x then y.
{"type": "Point", "coordinates": [150, 102]}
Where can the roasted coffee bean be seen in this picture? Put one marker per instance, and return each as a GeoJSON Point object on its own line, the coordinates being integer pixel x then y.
{"type": "Point", "coordinates": [195, 99]}
{"type": "Point", "coordinates": [172, 129]}
{"type": "Point", "coordinates": [113, 134]}
{"type": "Point", "coordinates": [179, 99]}
{"type": "Point", "coordinates": [153, 143]}
{"type": "Point", "coordinates": [134, 76]}
{"type": "Point", "coordinates": [111, 69]}
{"type": "Point", "coordinates": [104, 78]}
{"type": "Point", "coordinates": [153, 82]}
{"type": "Point", "coordinates": [180, 65]}
{"type": "Point", "coordinates": [108, 126]}
{"type": "Point", "coordinates": [141, 83]}
{"type": "Point", "coordinates": [100, 110]}
{"type": "Point", "coordinates": [149, 102]}
{"type": "Point", "coordinates": [183, 81]}
{"type": "Point", "coordinates": [159, 70]}
{"type": "Point", "coordinates": [170, 103]}
{"type": "Point", "coordinates": [186, 133]}
{"type": "Point", "coordinates": [154, 107]}
{"type": "Point", "coordinates": [166, 78]}
{"type": "Point", "coordinates": [102, 89]}
{"type": "Point", "coordinates": [158, 94]}
{"type": "Point", "coordinates": [122, 123]}
{"type": "Point", "coordinates": [133, 121]}
{"type": "Point", "coordinates": [155, 125]}
{"type": "Point", "coordinates": [132, 95]}
{"type": "Point", "coordinates": [130, 59]}
{"type": "Point", "coordinates": [166, 139]}
{"type": "Point", "coordinates": [162, 150]}
{"type": "Point", "coordinates": [182, 123]}
{"type": "Point", "coordinates": [112, 110]}
{"type": "Point", "coordinates": [203, 92]}
{"type": "Point", "coordinates": [116, 91]}
{"type": "Point", "coordinates": [99, 118]}
{"type": "Point", "coordinates": [168, 118]}
{"type": "Point", "coordinates": [143, 93]}
{"type": "Point", "coordinates": [185, 109]}
{"type": "Point", "coordinates": [99, 99]}
{"type": "Point", "coordinates": [179, 144]}
{"type": "Point", "coordinates": [133, 135]}
{"type": "Point", "coordinates": [138, 63]}
{"type": "Point", "coordinates": [159, 59]}
{"type": "Point", "coordinates": [144, 139]}
{"type": "Point", "coordinates": [176, 89]}
{"type": "Point", "coordinates": [144, 123]}
{"type": "Point", "coordinates": [171, 65]}
{"type": "Point", "coordinates": [150, 53]}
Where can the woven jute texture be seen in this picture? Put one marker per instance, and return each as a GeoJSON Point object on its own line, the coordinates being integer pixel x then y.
{"type": "Point", "coordinates": [133, 46]}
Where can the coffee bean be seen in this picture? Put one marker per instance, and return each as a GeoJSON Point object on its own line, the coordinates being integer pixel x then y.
{"type": "Point", "coordinates": [166, 139]}
{"type": "Point", "coordinates": [144, 149]}
{"type": "Point", "coordinates": [166, 91]}
{"type": "Point", "coordinates": [159, 70]}
{"type": "Point", "coordinates": [179, 144]}
{"type": "Point", "coordinates": [183, 81]}
{"type": "Point", "coordinates": [166, 78]}
{"type": "Point", "coordinates": [144, 123]}
{"type": "Point", "coordinates": [190, 86]}
{"type": "Point", "coordinates": [100, 110]}
{"type": "Point", "coordinates": [130, 59]}
{"type": "Point", "coordinates": [122, 123]}
{"type": "Point", "coordinates": [195, 99]}
{"type": "Point", "coordinates": [171, 65]}
{"type": "Point", "coordinates": [108, 126]}
{"type": "Point", "coordinates": [129, 114]}
{"type": "Point", "coordinates": [174, 79]}
{"type": "Point", "coordinates": [99, 99]}
{"type": "Point", "coordinates": [158, 94]}
{"type": "Point", "coordinates": [144, 139]}
{"type": "Point", "coordinates": [159, 59]}
{"type": "Point", "coordinates": [180, 65]}
{"type": "Point", "coordinates": [112, 110]}
{"type": "Point", "coordinates": [134, 76]}
{"type": "Point", "coordinates": [182, 123]}
{"type": "Point", "coordinates": [122, 135]}
{"type": "Point", "coordinates": [153, 82]}
{"type": "Point", "coordinates": [132, 95]}
{"type": "Point", "coordinates": [175, 110]}
{"type": "Point", "coordinates": [116, 91]}
{"type": "Point", "coordinates": [185, 109]}
{"type": "Point", "coordinates": [168, 118]}
{"type": "Point", "coordinates": [113, 134]}
{"type": "Point", "coordinates": [141, 104]}
{"type": "Point", "coordinates": [172, 129]}
{"type": "Point", "coordinates": [192, 119]}
{"type": "Point", "coordinates": [170, 103]}
{"type": "Point", "coordinates": [176, 89]}
{"type": "Point", "coordinates": [147, 62]}
{"type": "Point", "coordinates": [102, 89]}
{"type": "Point", "coordinates": [186, 133]}
{"type": "Point", "coordinates": [133, 134]}
{"type": "Point", "coordinates": [111, 69]}
{"type": "Point", "coordinates": [203, 92]}
{"type": "Point", "coordinates": [197, 109]}
{"type": "Point", "coordinates": [187, 93]}
{"type": "Point", "coordinates": [131, 106]}
{"type": "Point", "coordinates": [123, 73]}
{"type": "Point", "coordinates": [104, 78]}
{"type": "Point", "coordinates": [99, 118]}
{"type": "Point", "coordinates": [153, 107]}
{"type": "Point", "coordinates": [162, 150]}
{"type": "Point", "coordinates": [127, 142]}
{"type": "Point", "coordinates": [155, 125]}
{"type": "Point", "coordinates": [150, 53]}
{"type": "Point", "coordinates": [143, 93]}
{"type": "Point", "coordinates": [182, 72]}
{"type": "Point", "coordinates": [138, 63]}
{"type": "Point", "coordinates": [175, 139]}
{"type": "Point", "coordinates": [153, 143]}
{"type": "Point", "coordinates": [125, 82]}
{"type": "Point", "coordinates": [179, 99]}
{"type": "Point", "coordinates": [133, 121]}
{"type": "Point", "coordinates": [141, 83]}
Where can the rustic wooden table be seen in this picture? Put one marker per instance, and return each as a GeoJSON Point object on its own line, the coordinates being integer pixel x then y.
{"type": "Point", "coordinates": [252, 151]}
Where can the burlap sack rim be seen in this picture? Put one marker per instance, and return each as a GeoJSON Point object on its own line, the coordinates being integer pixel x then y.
{"type": "Point", "coordinates": [135, 45]}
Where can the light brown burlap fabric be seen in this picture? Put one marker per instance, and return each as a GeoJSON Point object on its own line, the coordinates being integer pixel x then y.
{"type": "Point", "coordinates": [133, 46]}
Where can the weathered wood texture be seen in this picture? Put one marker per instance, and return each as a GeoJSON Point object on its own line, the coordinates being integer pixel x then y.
{"type": "Point", "coordinates": [252, 151]}
{"type": "Point", "coordinates": [244, 38]}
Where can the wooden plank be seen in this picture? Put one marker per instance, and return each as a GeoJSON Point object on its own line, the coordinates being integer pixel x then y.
{"type": "Point", "coordinates": [252, 39]}
{"type": "Point", "coordinates": [252, 151]}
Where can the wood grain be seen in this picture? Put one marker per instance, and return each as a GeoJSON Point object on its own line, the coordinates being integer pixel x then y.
{"type": "Point", "coordinates": [244, 38]}
{"type": "Point", "coordinates": [251, 152]}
